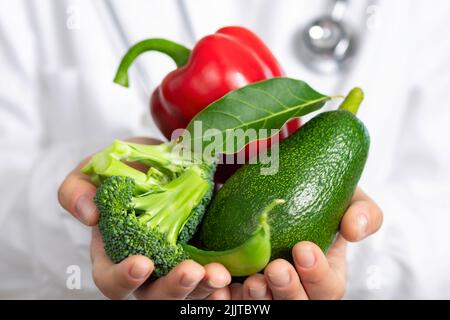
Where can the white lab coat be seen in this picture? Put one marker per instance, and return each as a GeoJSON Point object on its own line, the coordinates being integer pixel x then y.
{"type": "Point", "coordinates": [58, 105]}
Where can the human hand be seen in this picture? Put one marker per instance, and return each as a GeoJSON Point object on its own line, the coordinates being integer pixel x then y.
{"type": "Point", "coordinates": [313, 275]}
{"type": "Point", "coordinates": [188, 280]}
{"type": "Point", "coordinates": [117, 281]}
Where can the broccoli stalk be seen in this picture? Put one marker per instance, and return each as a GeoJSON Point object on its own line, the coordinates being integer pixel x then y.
{"type": "Point", "coordinates": [167, 161]}
{"type": "Point", "coordinates": [156, 213]}
{"type": "Point", "coordinates": [169, 211]}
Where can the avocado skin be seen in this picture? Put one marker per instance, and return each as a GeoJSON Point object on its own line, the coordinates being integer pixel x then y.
{"type": "Point", "coordinates": [319, 169]}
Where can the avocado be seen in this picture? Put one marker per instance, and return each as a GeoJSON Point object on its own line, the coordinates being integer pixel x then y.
{"type": "Point", "coordinates": [319, 168]}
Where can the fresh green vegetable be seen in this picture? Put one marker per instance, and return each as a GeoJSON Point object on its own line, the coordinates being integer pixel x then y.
{"type": "Point", "coordinates": [149, 213]}
{"type": "Point", "coordinates": [156, 214]}
{"type": "Point", "coordinates": [319, 168]}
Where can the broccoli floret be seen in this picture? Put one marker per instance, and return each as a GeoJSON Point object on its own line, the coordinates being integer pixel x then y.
{"type": "Point", "coordinates": [156, 213]}
{"type": "Point", "coordinates": [149, 214]}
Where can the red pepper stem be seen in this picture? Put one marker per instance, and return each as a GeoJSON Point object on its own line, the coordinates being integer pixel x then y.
{"type": "Point", "coordinates": [177, 52]}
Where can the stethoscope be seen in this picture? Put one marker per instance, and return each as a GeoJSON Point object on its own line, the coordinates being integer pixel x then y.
{"type": "Point", "coordinates": [327, 44]}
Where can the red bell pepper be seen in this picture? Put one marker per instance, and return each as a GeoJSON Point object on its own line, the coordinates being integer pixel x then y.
{"type": "Point", "coordinates": [219, 63]}
{"type": "Point", "coordinates": [222, 62]}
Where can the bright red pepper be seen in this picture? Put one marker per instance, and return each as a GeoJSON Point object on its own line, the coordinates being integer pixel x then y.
{"type": "Point", "coordinates": [219, 63]}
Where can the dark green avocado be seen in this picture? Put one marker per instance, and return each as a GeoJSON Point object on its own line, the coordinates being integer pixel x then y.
{"type": "Point", "coordinates": [319, 168]}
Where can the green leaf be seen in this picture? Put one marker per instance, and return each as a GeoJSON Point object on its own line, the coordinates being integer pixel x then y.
{"type": "Point", "coordinates": [264, 105]}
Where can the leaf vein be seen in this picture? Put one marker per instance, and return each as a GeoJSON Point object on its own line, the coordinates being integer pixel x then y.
{"type": "Point", "coordinates": [294, 95]}
{"type": "Point", "coordinates": [246, 125]}
{"type": "Point", "coordinates": [250, 105]}
{"type": "Point", "coordinates": [228, 114]}
{"type": "Point", "coordinates": [271, 96]}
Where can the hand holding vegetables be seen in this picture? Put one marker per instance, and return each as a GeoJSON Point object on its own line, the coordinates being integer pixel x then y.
{"type": "Point", "coordinates": [324, 279]}
{"type": "Point", "coordinates": [117, 281]}
{"type": "Point", "coordinates": [250, 280]}
{"type": "Point", "coordinates": [155, 213]}
{"type": "Point", "coordinates": [254, 217]}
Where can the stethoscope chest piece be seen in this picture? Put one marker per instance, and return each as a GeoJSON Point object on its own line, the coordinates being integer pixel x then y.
{"type": "Point", "coordinates": [326, 44]}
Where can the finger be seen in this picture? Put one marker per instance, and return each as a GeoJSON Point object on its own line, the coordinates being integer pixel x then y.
{"type": "Point", "coordinates": [283, 281]}
{"type": "Point", "coordinates": [236, 291]}
{"type": "Point", "coordinates": [318, 277]}
{"type": "Point", "coordinates": [177, 284]}
{"type": "Point", "coordinates": [362, 218]}
{"type": "Point", "coordinates": [255, 288]}
{"type": "Point", "coordinates": [117, 281]}
{"type": "Point", "coordinates": [220, 294]}
{"type": "Point", "coordinates": [216, 277]}
{"type": "Point", "coordinates": [337, 257]}
{"type": "Point", "coordinates": [76, 195]}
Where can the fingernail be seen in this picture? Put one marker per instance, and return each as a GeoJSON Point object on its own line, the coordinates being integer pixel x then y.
{"type": "Point", "coordinates": [257, 292]}
{"type": "Point", "coordinates": [85, 208]}
{"type": "Point", "coordinates": [139, 270]}
{"type": "Point", "coordinates": [188, 281]}
{"type": "Point", "coordinates": [362, 223]}
{"type": "Point", "coordinates": [280, 279]}
{"type": "Point", "coordinates": [306, 258]}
